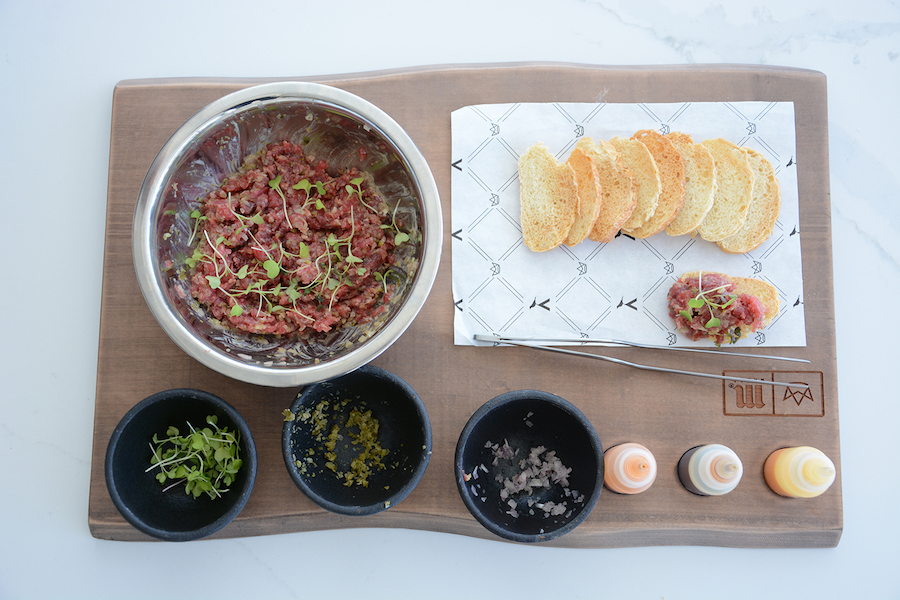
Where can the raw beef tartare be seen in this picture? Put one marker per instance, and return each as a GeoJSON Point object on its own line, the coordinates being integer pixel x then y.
{"type": "Point", "coordinates": [710, 305]}
{"type": "Point", "coordinates": [288, 245]}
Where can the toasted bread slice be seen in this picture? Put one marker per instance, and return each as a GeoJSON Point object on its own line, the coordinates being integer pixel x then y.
{"type": "Point", "coordinates": [549, 198]}
{"type": "Point", "coordinates": [699, 184]}
{"type": "Point", "coordinates": [671, 175]}
{"type": "Point", "coordinates": [587, 182]}
{"type": "Point", "coordinates": [763, 290]}
{"type": "Point", "coordinates": [637, 156]}
{"type": "Point", "coordinates": [617, 189]}
{"type": "Point", "coordinates": [734, 190]}
{"type": "Point", "coordinates": [764, 208]}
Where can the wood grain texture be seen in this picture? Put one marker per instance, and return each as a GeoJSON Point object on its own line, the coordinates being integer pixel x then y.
{"type": "Point", "coordinates": [668, 414]}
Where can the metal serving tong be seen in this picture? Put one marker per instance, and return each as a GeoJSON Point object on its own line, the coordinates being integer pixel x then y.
{"type": "Point", "coordinates": [538, 344]}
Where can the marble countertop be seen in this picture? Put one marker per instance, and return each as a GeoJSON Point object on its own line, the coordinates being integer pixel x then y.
{"type": "Point", "coordinates": [59, 63]}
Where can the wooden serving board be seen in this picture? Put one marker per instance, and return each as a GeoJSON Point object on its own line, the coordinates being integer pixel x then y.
{"type": "Point", "coordinates": [669, 414]}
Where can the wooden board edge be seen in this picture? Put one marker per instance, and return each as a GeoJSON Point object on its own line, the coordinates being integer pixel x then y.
{"type": "Point", "coordinates": [472, 67]}
{"type": "Point", "coordinates": [609, 539]}
{"type": "Point", "coordinates": [633, 538]}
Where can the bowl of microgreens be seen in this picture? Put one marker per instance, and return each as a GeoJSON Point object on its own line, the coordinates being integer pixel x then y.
{"type": "Point", "coordinates": [180, 465]}
{"type": "Point", "coordinates": [287, 233]}
{"type": "Point", "coordinates": [357, 444]}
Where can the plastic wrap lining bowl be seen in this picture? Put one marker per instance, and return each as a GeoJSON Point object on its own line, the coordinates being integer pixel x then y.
{"type": "Point", "coordinates": [331, 124]}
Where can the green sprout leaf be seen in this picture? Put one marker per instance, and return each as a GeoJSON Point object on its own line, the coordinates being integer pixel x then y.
{"type": "Point", "coordinates": [214, 282]}
{"type": "Point", "coordinates": [292, 292]}
{"type": "Point", "coordinates": [272, 268]}
{"type": "Point", "coordinates": [198, 218]}
{"type": "Point", "coordinates": [236, 310]}
{"type": "Point", "coordinates": [194, 259]}
{"type": "Point", "coordinates": [204, 461]}
{"type": "Point", "coordinates": [401, 238]}
{"type": "Point", "coordinates": [275, 184]}
{"type": "Point", "coordinates": [713, 300]}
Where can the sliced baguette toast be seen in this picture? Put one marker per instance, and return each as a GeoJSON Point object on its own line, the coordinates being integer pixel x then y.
{"type": "Point", "coordinates": [587, 183]}
{"type": "Point", "coordinates": [764, 208]}
{"type": "Point", "coordinates": [617, 189]}
{"type": "Point", "coordinates": [763, 290]}
{"type": "Point", "coordinates": [734, 190]}
{"type": "Point", "coordinates": [699, 184]}
{"type": "Point", "coordinates": [671, 176]}
{"type": "Point", "coordinates": [549, 198]}
{"type": "Point", "coordinates": [647, 185]}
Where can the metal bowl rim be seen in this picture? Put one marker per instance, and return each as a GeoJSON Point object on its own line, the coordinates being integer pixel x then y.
{"type": "Point", "coordinates": [146, 260]}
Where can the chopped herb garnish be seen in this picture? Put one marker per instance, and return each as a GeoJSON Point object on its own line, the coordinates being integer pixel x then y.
{"type": "Point", "coordinates": [205, 460]}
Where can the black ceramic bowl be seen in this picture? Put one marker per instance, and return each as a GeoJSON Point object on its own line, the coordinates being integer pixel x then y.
{"type": "Point", "coordinates": [173, 515]}
{"type": "Point", "coordinates": [403, 430]}
{"type": "Point", "coordinates": [525, 420]}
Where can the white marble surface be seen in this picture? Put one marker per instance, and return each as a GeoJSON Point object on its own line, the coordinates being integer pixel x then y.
{"type": "Point", "coordinates": [59, 62]}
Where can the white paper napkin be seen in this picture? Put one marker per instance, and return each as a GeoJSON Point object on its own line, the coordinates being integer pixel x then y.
{"type": "Point", "coordinates": [618, 289]}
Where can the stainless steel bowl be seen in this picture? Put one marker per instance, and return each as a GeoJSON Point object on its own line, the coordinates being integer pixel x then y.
{"type": "Point", "coordinates": [213, 144]}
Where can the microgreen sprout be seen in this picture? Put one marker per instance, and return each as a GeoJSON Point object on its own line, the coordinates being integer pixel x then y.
{"type": "Point", "coordinates": [303, 185]}
{"type": "Point", "coordinates": [256, 219]}
{"type": "Point", "coordinates": [308, 187]}
{"type": "Point", "coordinates": [195, 214]}
{"type": "Point", "coordinates": [355, 187]}
{"type": "Point", "coordinates": [205, 461]}
{"type": "Point", "coordinates": [712, 301]}
{"type": "Point", "coordinates": [384, 278]}
{"type": "Point", "coordinates": [400, 236]}
{"type": "Point", "coordinates": [275, 184]}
